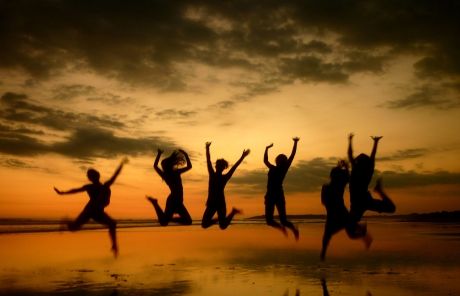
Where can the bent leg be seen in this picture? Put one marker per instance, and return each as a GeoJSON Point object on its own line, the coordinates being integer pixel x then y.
{"type": "Point", "coordinates": [184, 216]}
{"type": "Point", "coordinates": [82, 219]}
{"type": "Point", "coordinates": [207, 220]}
{"type": "Point", "coordinates": [281, 207]}
{"type": "Point", "coordinates": [330, 228]}
{"type": "Point", "coordinates": [225, 221]}
{"type": "Point", "coordinates": [269, 210]}
{"type": "Point", "coordinates": [385, 205]}
{"type": "Point", "coordinates": [162, 216]}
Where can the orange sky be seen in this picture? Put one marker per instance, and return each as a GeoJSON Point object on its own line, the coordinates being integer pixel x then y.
{"type": "Point", "coordinates": [82, 86]}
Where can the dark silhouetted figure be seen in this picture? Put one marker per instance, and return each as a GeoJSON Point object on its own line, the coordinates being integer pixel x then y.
{"type": "Point", "coordinates": [216, 197]}
{"type": "Point", "coordinates": [338, 217]}
{"type": "Point", "coordinates": [99, 198]}
{"type": "Point", "coordinates": [362, 169]}
{"type": "Point", "coordinates": [170, 173]}
{"type": "Point", "coordinates": [275, 194]}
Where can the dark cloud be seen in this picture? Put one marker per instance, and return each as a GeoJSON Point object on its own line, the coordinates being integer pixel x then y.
{"type": "Point", "coordinates": [156, 43]}
{"type": "Point", "coordinates": [405, 154]}
{"type": "Point", "coordinates": [90, 143]}
{"type": "Point", "coordinates": [175, 114]}
{"type": "Point", "coordinates": [428, 96]}
{"type": "Point", "coordinates": [89, 136]}
{"type": "Point", "coordinates": [412, 178]}
{"type": "Point", "coordinates": [16, 163]}
{"type": "Point", "coordinates": [68, 92]}
{"type": "Point", "coordinates": [18, 108]}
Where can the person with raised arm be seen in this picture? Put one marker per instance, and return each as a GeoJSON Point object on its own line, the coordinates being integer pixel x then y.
{"type": "Point", "coordinates": [338, 217]}
{"type": "Point", "coordinates": [275, 193]}
{"type": "Point", "coordinates": [362, 170]}
{"type": "Point", "coordinates": [216, 197]}
{"type": "Point", "coordinates": [171, 172]}
{"type": "Point", "coordinates": [99, 198]}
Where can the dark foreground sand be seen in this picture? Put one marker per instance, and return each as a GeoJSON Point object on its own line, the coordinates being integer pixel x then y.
{"type": "Point", "coordinates": [405, 259]}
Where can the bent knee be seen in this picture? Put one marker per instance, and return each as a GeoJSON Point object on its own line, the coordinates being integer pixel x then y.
{"type": "Point", "coordinates": [223, 226]}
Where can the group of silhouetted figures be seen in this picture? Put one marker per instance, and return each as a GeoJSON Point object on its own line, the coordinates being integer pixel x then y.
{"type": "Point", "coordinates": [338, 216]}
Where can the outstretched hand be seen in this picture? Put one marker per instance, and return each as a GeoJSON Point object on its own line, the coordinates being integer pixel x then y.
{"type": "Point", "coordinates": [296, 139]}
{"type": "Point", "coordinates": [208, 144]}
{"type": "Point", "coordinates": [350, 136]}
{"type": "Point", "coordinates": [125, 160]}
{"type": "Point", "coordinates": [160, 151]}
{"type": "Point", "coordinates": [269, 146]}
{"type": "Point", "coordinates": [57, 191]}
{"type": "Point", "coordinates": [246, 152]}
{"type": "Point", "coordinates": [376, 139]}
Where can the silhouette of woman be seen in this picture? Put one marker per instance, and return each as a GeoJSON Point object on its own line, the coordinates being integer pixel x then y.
{"type": "Point", "coordinates": [275, 194]}
{"type": "Point", "coordinates": [338, 217]}
{"type": "Point", "coordinates": [216, 197]}
{"type": "Point", "coordinates": [99, 198]}
{"type": "Point", "coordinates": [362, 169]}
{"type": "Point", "coordinates": [171, 175]}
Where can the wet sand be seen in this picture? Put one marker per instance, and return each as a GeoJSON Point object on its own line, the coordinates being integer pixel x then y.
{"type": "Point", "coordinates": [246, 259]}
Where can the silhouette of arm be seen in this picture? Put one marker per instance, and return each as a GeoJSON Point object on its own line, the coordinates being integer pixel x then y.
{"type": "Point", "coordinates": [350, 148]}
{"type": "Point", "coordinates": [189, 163]}
{"type": "Point", "coordinates": [71, 191]}
{"type": "Point", "coordinates": [294, 149]}
{"type": "Point", "coordinates": [267, 163]}
{"type": "Point", "coordinates": [235, 166]}
{"type": "Point", "coordinates": [155, 164]}
{"type": "Point", "coordinates": [374, 148]}
{"type": "Point", "coordinates": [117, 172]}
{"type": "Point", "coordinates": [208, 159]}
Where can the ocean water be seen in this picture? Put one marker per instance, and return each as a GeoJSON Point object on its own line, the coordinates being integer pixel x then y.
{"type": "Point", "coordinates": [248, 258]}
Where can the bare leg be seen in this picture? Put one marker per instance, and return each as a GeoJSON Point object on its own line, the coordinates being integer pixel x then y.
{"type": "Point", "coordinates": [224, 221]}
{"type": "Point", "coordinates": [387, 205]}
{"type": "Point", "coordinates": [281, 207]}
{"type": "Point", "coordinates": [105, 219]}
{"type": "Point", "coordinates": [162, 217]}
{"type": "Point", "coordinates": [82, 219]}
{"type": "Point", "coordinates": [208, 220]}
{"type": "Point", "coordinates": [269, 209]}
{"type": "Point", "coordinates": [184, 216]}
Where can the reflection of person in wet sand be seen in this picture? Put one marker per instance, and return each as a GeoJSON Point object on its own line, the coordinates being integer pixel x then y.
{"type": "Point", "coordinates": [99, 198]}
{"type": "Point", "coordinates": [326, 292]}
{"type": "Point", "coordinates": [275, 194]}
{"type": "Point", "coordinates": [216, 197]}
{"type": "Point", "coordinates": [170, 173]}
{"type": "Point", "coordinates": [362, 170]}
{"type": "Point", "coordinates": [338, 217]}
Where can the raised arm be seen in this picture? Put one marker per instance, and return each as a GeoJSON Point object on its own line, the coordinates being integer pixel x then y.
{"type": "Point", "coordinates": [350, 148]}
{"type": "Point", "coordinates": [294, 149]}
{"type": "Point", "coordinates": [208, 158]}
{"type": "Point", "coordinates": [187, 159]}
{"type": "Point", "coordinates": [235, 166]}
{"type": "Point", "coordinates": [155, 164]}
{"type": "Point", "coordinates": [71, 191]}
{"type": "Point", "coordinates": [374, 148]}
{"type": "Point", "coordinates": [267, 163]}
{"type": "Point", "coordinates": [117, 172]}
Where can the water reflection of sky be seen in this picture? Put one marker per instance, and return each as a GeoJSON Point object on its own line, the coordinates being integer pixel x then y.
{"type": "Point", "coordinates": [405, 259]}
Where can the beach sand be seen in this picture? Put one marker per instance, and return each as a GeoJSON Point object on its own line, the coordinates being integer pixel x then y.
{"type": "Point", "coordinates": [246, 259]}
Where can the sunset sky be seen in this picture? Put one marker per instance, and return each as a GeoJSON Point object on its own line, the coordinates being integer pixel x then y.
{"type": "Point", "coordinates": [85, 83]}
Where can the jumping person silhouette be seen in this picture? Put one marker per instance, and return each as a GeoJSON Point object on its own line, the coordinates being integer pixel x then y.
{"type": "Point", "coordinates": [338, 217]}
{"type": "Point", "coordinates": [216, 197]}
{"type": "Point", "coordinates": [275, 194]}
{"type": "Point", "coordinates": [362, 169]}
{"type": "Point", "coordinates": [99, 198]}
{"type": "Point", "coordinates": [171, 175]}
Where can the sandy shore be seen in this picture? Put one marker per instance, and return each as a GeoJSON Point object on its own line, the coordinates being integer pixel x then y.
{"type": "Point", "coordinates": [405, 259]}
